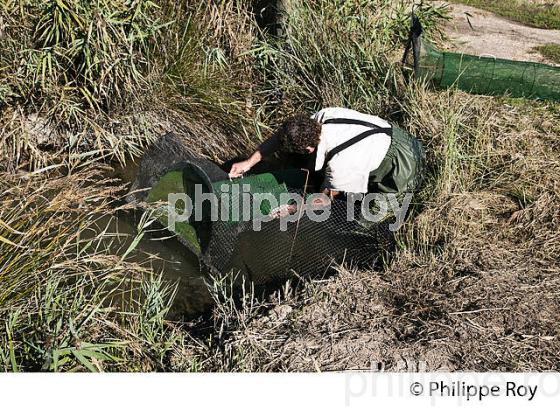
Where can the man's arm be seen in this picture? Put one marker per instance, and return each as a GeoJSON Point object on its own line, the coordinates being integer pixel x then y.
{"type": "Point", "coordinates": [268, 147]}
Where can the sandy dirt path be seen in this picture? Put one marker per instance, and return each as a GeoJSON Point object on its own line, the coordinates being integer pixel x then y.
{"type": "Point", "coordinates": [479, 32]}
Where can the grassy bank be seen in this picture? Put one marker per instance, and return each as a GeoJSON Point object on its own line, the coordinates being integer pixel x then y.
{"type": "Point", "coordinates": [471, 287]}
{"type": "Point", "coordinates": [550, 51]}
{"type": "Point", "coordinates": [539, 14]}
{"type": "Point", "coordinates": [67, 302]}
{"type": "Point", "coordinates": [82, 80]}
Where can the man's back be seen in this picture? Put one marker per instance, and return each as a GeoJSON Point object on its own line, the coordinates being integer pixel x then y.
{"type": "Point", "coordinates": [349, 170]}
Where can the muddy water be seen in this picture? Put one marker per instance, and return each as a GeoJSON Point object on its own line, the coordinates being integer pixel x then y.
{"type": "Point", "coordinates": [163, 254]}
{"type": "Point", "coordinates": [170, 257]}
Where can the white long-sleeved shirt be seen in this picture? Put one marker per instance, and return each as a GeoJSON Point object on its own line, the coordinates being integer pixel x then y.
{"type": "Point", "coordinates": [349, 170]}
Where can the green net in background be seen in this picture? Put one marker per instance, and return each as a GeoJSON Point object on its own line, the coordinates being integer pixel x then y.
{"type": "Point", "coordinates": [486, 75]}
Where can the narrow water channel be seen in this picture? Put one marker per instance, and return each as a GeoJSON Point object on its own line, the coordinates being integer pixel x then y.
{"type": "Point", "coordinates": [165, 255]}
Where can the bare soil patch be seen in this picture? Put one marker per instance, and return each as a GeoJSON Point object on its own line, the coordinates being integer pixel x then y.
{"type": "Point", "coordinates": [480, 32]}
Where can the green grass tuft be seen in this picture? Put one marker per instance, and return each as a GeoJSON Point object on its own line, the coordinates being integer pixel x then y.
{"type": "Point", "coordinates": [550, 51]}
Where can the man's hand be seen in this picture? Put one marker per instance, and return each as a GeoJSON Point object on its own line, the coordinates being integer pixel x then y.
{"type": "Point", "coordinates": [239, 168]}
{"type": "Point", "coordinates": [319, 202]}
{"type": "Point", "coordinates": [283, 211]}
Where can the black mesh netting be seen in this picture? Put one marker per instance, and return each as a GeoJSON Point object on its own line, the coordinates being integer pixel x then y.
{"type": "Point", "coordinates": [279, 249]}
{"type": "Point", "coordinates": [231, 242]}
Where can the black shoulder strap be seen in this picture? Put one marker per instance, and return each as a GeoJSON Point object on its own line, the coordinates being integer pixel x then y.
{"type": "Point", "coordinates": [350, 121]}
{"type": "Point", "coordinates": [353, 141]}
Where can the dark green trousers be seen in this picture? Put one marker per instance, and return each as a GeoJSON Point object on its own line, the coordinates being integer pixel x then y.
{"type": "Point", "coordinates": [403, 167]}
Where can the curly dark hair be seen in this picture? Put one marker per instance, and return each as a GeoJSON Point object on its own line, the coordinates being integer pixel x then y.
{"type": "Point", "coordinates": [299, 132]}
